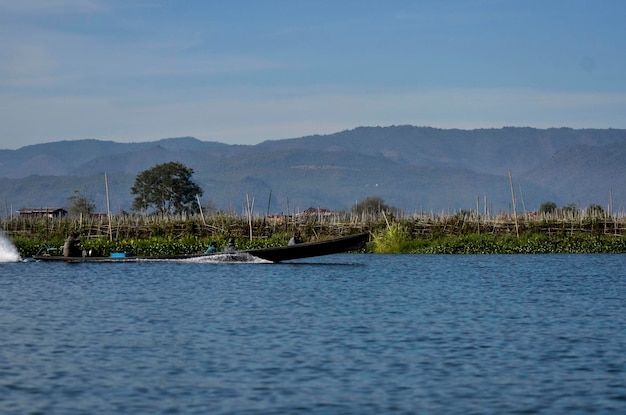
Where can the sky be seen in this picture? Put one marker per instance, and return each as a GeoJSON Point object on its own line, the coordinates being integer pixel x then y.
{"type": "Point", "coordinates": [242, 72]}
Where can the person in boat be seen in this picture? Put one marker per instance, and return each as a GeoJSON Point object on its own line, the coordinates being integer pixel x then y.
{"type": "Point", "coordinates": [71, 248]}
{"type": "Point", "coordinates": [230, 246]}
{"type": "Point", "coordinates": [295, 239]}
{"type": "Point", "coordinates": [212, 248]}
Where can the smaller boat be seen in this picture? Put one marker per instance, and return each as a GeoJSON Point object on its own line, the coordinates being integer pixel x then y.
{"type": "Point", "coordinates": [275, 254]}
{"type": "Point", "coordinates": [121, 257]}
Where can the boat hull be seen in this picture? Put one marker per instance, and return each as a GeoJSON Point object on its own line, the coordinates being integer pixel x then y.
{"type": "Point", "coordinates": [312, 249]}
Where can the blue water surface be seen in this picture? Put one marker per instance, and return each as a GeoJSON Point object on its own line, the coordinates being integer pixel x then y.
{"type": "Point", "coordinates": [343, 334]}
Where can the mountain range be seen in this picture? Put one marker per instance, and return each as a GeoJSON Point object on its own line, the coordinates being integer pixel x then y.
{"type": "Point", "coordinates": [417, 169]}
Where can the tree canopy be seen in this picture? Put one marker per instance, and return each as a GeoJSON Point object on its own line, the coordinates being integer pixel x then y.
{"type": "Point", "coordinates": [167, 188]}
{"type": "Point", "coordinates": [595, 210]}
{"type": "Point", "coordinates": [548, 207]}
{"type": "Point", "coordinates": [81, 204]}
{"type": "Point", "coordinates": [373, 205]}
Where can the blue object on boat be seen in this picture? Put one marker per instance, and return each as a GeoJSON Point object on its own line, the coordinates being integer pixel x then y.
{"type": "Point", "coordinates": [118, 255]}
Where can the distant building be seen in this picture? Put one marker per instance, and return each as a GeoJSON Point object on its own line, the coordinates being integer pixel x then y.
{"type": "Point", "coordinates": [42, 212]}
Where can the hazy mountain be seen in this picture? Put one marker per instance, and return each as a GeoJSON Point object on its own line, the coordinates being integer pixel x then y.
{"type": "Point", "coordinates": [414, 168]}
{"type": "Point", "coordinates": [483, 150]}
{"type": "Point", "coordinates": [582, 174]}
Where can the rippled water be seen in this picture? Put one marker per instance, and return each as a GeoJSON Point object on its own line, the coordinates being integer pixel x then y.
{"type": "Point", "coordinates": [353, 334]}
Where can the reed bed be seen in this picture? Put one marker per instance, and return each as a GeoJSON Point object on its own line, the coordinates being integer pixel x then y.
{"type": "Point", "coordinates": [462, 232]}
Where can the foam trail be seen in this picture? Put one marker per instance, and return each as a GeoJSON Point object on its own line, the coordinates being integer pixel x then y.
{"type": "Point", "coordinates": [8, 251]}
{"type": "Point", "coordinates": [234, 257]}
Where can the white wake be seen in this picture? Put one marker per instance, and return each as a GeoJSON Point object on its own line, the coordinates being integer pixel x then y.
{"type": "Point", "coordinates": [234, 257]}
{"type": "Point", "coordinates": [8, 251]}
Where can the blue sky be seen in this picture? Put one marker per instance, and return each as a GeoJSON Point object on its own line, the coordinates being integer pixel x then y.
{"type": "Point", "coordinates": [242, 72]}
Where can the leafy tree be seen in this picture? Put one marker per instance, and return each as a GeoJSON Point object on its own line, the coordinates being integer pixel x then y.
{"type": "Point", "coordinates": [595, 211]}
{"type": "Point", "coordinates": [167, 188]}
{"type": "Point", "coordinates": [547, 207]}
{"type": "Point", "coordinates": [80, 204]}
{"type": "Point", "coordinates": [373, 205]}
{"type": "Point", "coordinates": [570, 209]}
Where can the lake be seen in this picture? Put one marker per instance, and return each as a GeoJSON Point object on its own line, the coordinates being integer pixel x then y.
{"type": "Point", "coordinates": [342, 334]}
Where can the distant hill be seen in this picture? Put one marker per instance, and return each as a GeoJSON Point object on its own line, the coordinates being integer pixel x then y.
{"type": "Point", "coordinates": [414, 168]}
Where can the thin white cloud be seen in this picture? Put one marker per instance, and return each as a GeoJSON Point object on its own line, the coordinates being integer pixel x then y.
{"type": "Point", "coordinates": [65, 60]}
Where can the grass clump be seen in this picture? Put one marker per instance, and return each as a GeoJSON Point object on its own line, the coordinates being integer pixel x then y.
{"type": "Point", "coordinates": [392, 240]}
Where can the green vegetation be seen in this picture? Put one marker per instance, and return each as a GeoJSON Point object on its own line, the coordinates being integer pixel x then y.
{"type": "Point", "coordinates": [392, 240]}
{"type": "Point", "coordinates": [374, 205]}
{"type": "Point", "coordinates": [547, 208]}
{"type": "Point", "coordinates": [499, 244]}
{"type": "Point", "coordinates": [462, 233]}
{"type": "Point", "coordinates": [167, 188]}
{"type": "Point", "coordinates": [81, 204]}
{"type": "Point", "coordinates": [168, 220]}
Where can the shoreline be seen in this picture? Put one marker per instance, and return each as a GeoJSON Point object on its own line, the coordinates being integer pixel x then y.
{"type": "Point", "coordinates": [457, 234]}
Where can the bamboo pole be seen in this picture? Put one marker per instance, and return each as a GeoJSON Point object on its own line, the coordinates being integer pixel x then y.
{"type": "Point", "coordinates": [386, 221]}
{"type": "Point", "coordinates": [478, 214]}
{"type": "Point", "coordinates": [106, 185]}
{"type": "Point", "coordinates": [514, 204]}
{"type": "Point", "coordinates": [200, 207]}
{"type": "Point", "coordinates": [249, 213]}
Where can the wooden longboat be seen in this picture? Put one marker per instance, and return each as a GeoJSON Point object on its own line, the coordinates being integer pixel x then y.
{"type": "Point", "coordinates": [275, 254]}
{"type": "Point", "coordinates": [312, 249]}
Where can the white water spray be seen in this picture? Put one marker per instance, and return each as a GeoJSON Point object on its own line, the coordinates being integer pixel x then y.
{"type": "Point", "coordinates": [8, 251]}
